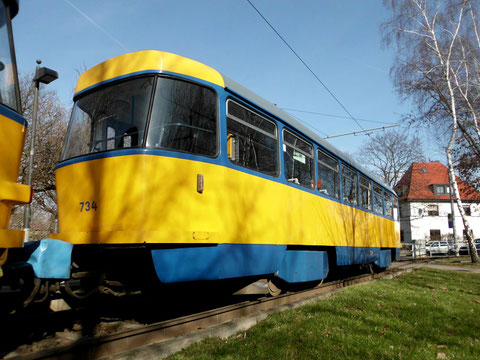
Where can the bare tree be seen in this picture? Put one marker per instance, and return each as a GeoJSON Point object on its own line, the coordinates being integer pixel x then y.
{"type": "Point", "coordinates": [436, 66]}
{"type": "Point", "coordinates": [389, 154]}
{"type": "Point", "coordinates": [51, 129]}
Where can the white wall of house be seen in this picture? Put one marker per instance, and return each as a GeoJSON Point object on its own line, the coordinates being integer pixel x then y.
{"type": "Point", "coordinates": [416, 223]}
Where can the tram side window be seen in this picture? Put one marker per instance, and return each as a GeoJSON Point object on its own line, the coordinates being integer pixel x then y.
{"type": "Point", "coordinates": [378, 199]}
{"type": "Point", "coordinates": [298, 157]}
{"type": "Point", "coordinates": [8, 76]}
{"type": "Point", "coordinates": [349, 183]}
{"type": "Point", "coordinates": [252, 139]}
{"type": "Point", "coordinates": [328, 178]}
{"type": "Point", "coordinates": [365, 193]}
{"type": "Point", "coordinates": [184, 118]}
{"type": "Point", "coordinates": [388, 205]}
{"type": "Point", "coordinates": [396, 210]}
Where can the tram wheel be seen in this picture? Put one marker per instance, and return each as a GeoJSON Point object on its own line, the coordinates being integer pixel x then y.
{"type": "Point", "coordinates": [273, 289]}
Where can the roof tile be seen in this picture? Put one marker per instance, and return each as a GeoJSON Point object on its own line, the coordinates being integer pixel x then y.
{"type": "Point", "coordinates": [420, 178]}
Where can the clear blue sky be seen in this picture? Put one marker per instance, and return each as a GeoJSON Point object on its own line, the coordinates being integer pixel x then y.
{"type": "Point", "coordinates": [338, 39]}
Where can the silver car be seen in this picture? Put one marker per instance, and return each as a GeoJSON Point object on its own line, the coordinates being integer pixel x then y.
{"type": "Point", "coordinates": [437, 248]}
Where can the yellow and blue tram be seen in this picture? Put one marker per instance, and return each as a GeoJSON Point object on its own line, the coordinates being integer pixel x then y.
{"type": "Point", "coordinates": [13, 129]}
{"type": "Point", "coordinates": [171, 165]}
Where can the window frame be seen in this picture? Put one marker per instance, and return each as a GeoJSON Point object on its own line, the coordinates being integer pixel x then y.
{"type": "Point", "coordinates": [377, 186]}
{"type": "Point", "coordinates": [433, 235]}
{"type": "Point", "coordinates": [337, 171]}
{"type": "Point", "coordinates": [369, 190]}
{"type": "Point", "coordinates": [253, 127]}
{"type": "Point", "coordinates": [17, 108]}
{"type": "Point", "coordinates": [388, 197]}
{"type": "Point", "coordinates": [431, 211]}
{"type": "Point", "coordinates": [158, 76]}
{"type": "Point", "coordinates": [441, 190]}
{"type": "Point", "coordinates": [99, 87]}
{"type": "Point", "coordinates": [355, 182]}
{"type": "Point", "coordinates": [311, 156]}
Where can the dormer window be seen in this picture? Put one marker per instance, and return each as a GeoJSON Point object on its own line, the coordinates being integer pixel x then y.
{"type": "Point", "coordinates": [441, 190]}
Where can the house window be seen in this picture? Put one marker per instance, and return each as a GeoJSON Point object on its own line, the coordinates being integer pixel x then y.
{"type": "Point", "coordinates": [467, 210]}
{"type": "Point", "coordinates": [432, 210]}
{"type": "Point", "coordinates": [435, 235]}
{"type": "Point", "coordinates": [441, 190]}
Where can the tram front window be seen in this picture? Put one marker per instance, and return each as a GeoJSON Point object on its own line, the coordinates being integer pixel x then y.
{"type": "Point", "coordinates": [8, 75]}
{"type": "Point", "coordinates": [184, 118]}
{"type": "Point", "coordinates": [113, 117]}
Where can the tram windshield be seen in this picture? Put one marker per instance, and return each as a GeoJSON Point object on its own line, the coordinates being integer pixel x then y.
{"type": "Point", "coordinates": [8, 74]}
{"type": "Point", "coordinates": [183, 118]}
{"type": "Point", "coordinates": [112, 117]}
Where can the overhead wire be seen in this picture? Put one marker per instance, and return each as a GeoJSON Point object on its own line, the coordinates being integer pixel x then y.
{"type": "Point", "coordinates": [336, 116]}
{"type": "Point", "coordinates": [88, 18]}
{"type": "Point", "coordinates": [306, 65]}
{"type": "Point", "coordinates": [302, 121]}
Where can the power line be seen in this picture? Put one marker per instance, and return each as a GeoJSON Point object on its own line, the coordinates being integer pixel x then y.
{"type": "Point", "coordinates": [368, 131]}
{"type": "Point", "coordinates": [305, 64]}
{"type": "Point", "coordinates": [321, 132]}
{"type": "Point", "coordinates": [335, 116]}
{"type": "Point", "coordinates": [113, 38]}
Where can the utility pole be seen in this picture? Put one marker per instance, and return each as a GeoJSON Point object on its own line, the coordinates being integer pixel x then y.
{"type": "Point", "coordinates": [45, 76]}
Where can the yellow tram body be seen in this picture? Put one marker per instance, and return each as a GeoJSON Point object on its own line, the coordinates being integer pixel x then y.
{"type": "Point", "coordinates": [11, 147]}
{"type": "Point", "coordinates": [202, 215]}
{"type": "Point", "coordinates": [13, 129]}
{"type": "Point", "coordinates": [235, 207]}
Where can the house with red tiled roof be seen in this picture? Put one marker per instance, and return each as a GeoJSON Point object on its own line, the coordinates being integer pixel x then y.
{"type": "Point", "coordinates": [425, 205]}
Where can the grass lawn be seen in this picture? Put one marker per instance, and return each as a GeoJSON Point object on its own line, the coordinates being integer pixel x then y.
{"type": "Point", "coordinates": [464, 261]}
{"type": "Point", "coordinates": [427, 314]}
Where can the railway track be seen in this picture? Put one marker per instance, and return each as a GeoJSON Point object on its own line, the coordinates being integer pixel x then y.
{"type": "Point", "coordinates": [164, 337]}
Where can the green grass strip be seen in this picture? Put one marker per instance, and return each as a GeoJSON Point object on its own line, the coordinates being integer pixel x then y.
{"type": "Point", "coordinates": [427, 314]}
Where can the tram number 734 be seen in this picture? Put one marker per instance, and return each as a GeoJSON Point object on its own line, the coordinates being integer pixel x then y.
{"type": "Point", "coordinates": [87, 206]}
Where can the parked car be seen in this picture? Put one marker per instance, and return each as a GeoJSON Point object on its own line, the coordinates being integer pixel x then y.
{"type": "Point", "coordinates": [464, 249]}
{"type": "Point", "coordinates": [437, 248]}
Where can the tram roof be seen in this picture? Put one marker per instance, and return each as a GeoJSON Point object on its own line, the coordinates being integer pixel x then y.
{"type": "Point", "coordinates": [153, 60]}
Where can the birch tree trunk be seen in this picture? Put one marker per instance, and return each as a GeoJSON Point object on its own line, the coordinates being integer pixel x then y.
{"type": "Point", "coordinates": [453, 180]}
